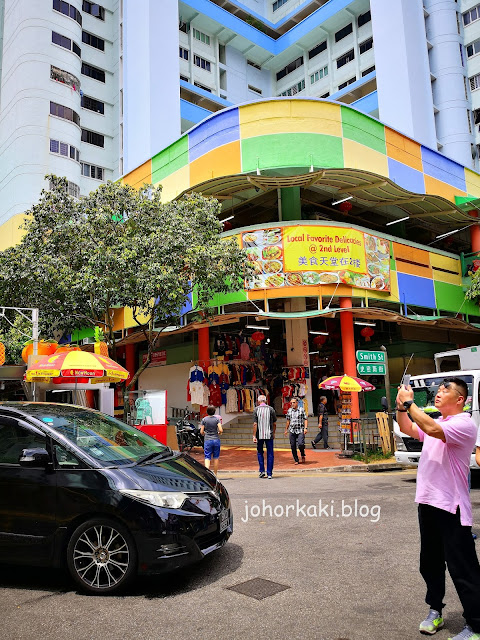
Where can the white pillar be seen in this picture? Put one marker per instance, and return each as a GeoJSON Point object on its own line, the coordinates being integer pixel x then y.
{"type": "Point", "coordinates": [297, 342]}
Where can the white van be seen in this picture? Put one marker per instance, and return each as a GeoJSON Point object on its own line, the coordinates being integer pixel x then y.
{"type": "Point", "coordinates": [408, 450]}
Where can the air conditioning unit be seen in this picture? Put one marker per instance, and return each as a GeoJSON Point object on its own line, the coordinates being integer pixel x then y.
{"type": "Point", "coordinates": [88, 341]}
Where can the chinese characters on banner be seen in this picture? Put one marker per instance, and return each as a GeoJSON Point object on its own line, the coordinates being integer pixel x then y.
{"type": "Point", "coordinates": [159, 358]}
{"type": "Point", "coordinates": [313, 255]}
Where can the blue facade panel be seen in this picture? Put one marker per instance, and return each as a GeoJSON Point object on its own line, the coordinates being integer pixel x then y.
{"type": "Point", "coordinates": [216, 131]}
{"type": "Point", "coordinates": [416, 291]}
{"type": "Point", "coordinates": [405, 176]}
{"type": "Point", "coordinates": [444, 169]}
{"type": "Point", "coordinates": [367, 104]}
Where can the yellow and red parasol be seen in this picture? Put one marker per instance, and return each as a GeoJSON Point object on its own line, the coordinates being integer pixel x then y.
{"type": "Point", "coordinates": [346, 383]}
{"type": "Point", "coordinates": [75, 364]}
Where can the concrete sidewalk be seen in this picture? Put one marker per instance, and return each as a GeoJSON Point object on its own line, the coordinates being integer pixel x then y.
{"type": "Point", "coordinates": [245, 459]}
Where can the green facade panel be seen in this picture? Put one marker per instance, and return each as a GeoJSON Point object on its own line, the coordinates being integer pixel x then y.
{"type": "Point", "coordinates": [291, 204]}
{"type": "Point", "coordinates": [363, 129]}
{"type": "Point", "coordinates": [170, 159]}
{"type": "Point", "coordinates": [451, 297]}
{"type": "Point", "coordinates": [291, 150]}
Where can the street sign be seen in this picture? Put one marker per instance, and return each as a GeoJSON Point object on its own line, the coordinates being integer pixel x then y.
{"type": "Point", "coordinates": [371, 369]}
{"type": "Point", "coordinates": [371, 356]}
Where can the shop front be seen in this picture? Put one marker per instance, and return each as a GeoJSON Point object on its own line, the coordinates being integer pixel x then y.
{"type": "Point", "coordinates": [358, 237]}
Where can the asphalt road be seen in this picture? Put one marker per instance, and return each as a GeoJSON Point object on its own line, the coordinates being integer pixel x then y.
{"type": "Point", "coordinates": [348, 577]}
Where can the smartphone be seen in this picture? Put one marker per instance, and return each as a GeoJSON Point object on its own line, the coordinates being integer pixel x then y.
{"type": "Point", "coordinates": [406, 379]}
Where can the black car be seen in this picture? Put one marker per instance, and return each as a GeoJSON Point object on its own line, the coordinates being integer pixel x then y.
{"type": "Point", "coordinates": [82, 488]}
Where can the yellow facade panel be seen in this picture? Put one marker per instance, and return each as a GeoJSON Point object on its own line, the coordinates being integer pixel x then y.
{"type": "Point", "coordinates": [472, 180]}
{"type": "Point", "coordinates": [175, 183]}
{"type": "Point", "coordinates": [10, 232]}
{"type": "Point", "coordinates": [289, 116]}
{"type": "Point", "coordinates": [358, 156]}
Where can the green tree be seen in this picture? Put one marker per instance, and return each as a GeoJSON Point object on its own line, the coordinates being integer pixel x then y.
{"type": "Point", "coordinates": [15, 330]}
{"type": "Point", "coordinates": [79, 260]}
{"type": "Point", "coordinates": [473, 290]}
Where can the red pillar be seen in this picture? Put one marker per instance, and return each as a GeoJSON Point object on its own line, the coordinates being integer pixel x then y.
{"type": "Point", "coordinates": [475, 233]}
{"type": "Point", "coordinates": [204, 345]}
{"type": "Point", "coordinates": [130, 361]}
{"type": "Point", "coordinates": [348, 348]}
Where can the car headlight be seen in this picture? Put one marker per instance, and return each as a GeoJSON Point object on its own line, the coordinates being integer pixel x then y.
{"type": "Point", "coordinates": [166, 499]}
{"type": "Point", "coordinates": [399, 443]}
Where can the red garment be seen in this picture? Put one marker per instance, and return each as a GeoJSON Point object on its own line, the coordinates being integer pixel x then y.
{"type": "Point", "coordinates": [215, 395]}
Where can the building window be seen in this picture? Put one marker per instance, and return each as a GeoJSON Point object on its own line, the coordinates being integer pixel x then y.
{"type": "Point", "coordinates": [93, 72]}
{"type": "Point", "coordinates": [325, 95]}
{"type": "Point", "coordinates": [59, 75]}
{"type": "Point", "coordinates": [202, 86]}
{"type": "Point", "coordinates": [202, 63]}
{"type": "Point", "coordinates": [199, 35]}
{"type": "Point", "coordinates": [343, 33]}
{"type": "Point", "coordinates": [184, 78]}
{"type": "Point", "coordinates": [473, 48]}
{"type": "Point", "coordinates": [367, 71]}
{"type": "Point", "coordinates": [292, 91]}
{"type": "Point", "coordinates": [93, 41]}
{"type": "Point", "coordinates": [64, 112]}
{"type": "Point", "coordinates": [469, 118]}
{"type": "Point", "coordinates": [366, 45]}
{"type": "Point", "coordinates": [318, 75]}
{"type": "Point", "coordinates": [66, 43]}
{"type": "Point", "coordinates": [472, 15]}
{"type": "Point", "coordinates": [345, 84]}
{"type": "Point", "coordinates": [364, 18]}
{"type": "Point", "coordinates": [184, 26]}
{"type": "Point", "coordinates": [91, 171]}
{"type": "Point", "coordinates": [73, 190]}
{"type": "Point", "coordinates": [68, 10]}
{"type": "Point", "coordinates": [278, 3]}
{"type": "Point", "coordinates": [92, 137]}
{"type": "Point", "coordinates": [475, 82]}
{"type": "Point", "coordinates": [93, 9]}
{"type": "Point", "coordinates": [318, 49]}
{"type": "Point", "coordinates": [346, 58]}
{"type": "Point", "coordinates": [476, 116]}
{"type": "Point", "coordinates": [254, 89]}
{"type": "Point", "coordinates": [254, 64]}
{"type": "Point", "coordinates": [93, 105]}
{"type": "Point", "coordinates": [64, 149]}
{"type": "Point", "coordinates": [289, 68]}
{"type": "Point", "coordinates": [183, 53]}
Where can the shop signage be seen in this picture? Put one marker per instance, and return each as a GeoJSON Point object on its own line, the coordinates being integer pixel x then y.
{"type": "Point", "coordinates": [371, 369]}
{"type": "Point", "coordinates": [306, 255]}
{"type": "Point", "coordinates": [159, 358]}
{"type": "Point", "coordinates": [371, 356]}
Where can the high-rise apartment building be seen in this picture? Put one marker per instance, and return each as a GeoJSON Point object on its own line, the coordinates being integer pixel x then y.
{"type": "Point", "coordinates": [91, 90]}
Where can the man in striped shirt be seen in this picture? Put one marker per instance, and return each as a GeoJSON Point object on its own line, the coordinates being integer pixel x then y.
{"type": "Point", "coordinates": [264, 425]}
{"type": "Point", "coordinates": [297, 428]}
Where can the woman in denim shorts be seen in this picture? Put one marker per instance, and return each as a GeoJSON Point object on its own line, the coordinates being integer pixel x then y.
{"type": "Point", "coordinates": [211, 429]}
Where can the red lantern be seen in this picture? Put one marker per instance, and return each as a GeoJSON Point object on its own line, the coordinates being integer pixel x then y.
{"type": "Point", "coordinates": [320, 340]}
{"type": "Point", "coordinates": [367, 333]}
{"type": "Point", "coordinates": [227, 225]}
{"type": "Point", "coordinates": [258, 336]}
{"type": "Point", "coordinates": [346, 206]}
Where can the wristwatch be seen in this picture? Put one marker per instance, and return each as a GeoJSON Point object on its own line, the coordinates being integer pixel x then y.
{"type": "Point", "coordinates": [407, 404]}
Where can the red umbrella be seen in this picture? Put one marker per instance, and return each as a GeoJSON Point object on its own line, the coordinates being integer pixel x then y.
{"type": "Point", "coordinates": [346, 383]}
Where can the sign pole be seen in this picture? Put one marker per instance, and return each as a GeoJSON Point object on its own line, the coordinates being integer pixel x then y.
{"type": "Point", "coordinates": [389, 403]}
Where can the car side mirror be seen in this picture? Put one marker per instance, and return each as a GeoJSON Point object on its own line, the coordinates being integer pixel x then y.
{"type": "Point", "coordinates": [37, 457]}
{"type": "Point", "coordinates": [384, 403]}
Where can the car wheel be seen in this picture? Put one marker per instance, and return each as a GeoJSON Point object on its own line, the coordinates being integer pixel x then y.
{"type": "Point", "coordinates": [101, 556]}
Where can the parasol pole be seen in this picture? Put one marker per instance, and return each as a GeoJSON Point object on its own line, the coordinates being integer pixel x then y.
{"type": "Point", "coordinates": [389, 402]}
{"type": "Point", "coordinates": [35, 346]}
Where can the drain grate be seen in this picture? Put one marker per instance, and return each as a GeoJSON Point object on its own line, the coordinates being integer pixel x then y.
{"type": "Point", "coordinates": [258, 588]}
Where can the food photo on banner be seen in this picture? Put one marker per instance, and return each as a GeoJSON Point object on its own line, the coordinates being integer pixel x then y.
{"type": "Point", "coordinates": [312, 255]}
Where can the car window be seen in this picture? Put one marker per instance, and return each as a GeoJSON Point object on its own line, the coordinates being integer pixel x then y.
{"type": "Point", "coordinates": [66, 459]}
{"type": "Point", "coordinates": [14, 438]}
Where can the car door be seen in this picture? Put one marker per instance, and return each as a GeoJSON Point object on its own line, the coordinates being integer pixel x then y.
{"type": "Point", "coordinates": [27, 496]}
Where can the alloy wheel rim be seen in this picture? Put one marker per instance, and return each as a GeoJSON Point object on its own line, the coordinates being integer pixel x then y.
{"type": "Point", "coordinates": [101, 557]}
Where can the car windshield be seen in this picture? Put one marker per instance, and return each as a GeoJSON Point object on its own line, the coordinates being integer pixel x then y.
{"type": "Point", "coordinates": [107, 440]}
{"type": "Point", "coordinates": [425, 390]}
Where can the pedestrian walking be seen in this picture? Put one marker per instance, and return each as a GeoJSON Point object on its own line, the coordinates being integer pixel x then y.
{"type": "Point", "coordinates": [297, 424]}
{"type": "Point", "coordinates": [322, 424]}
{"type": "Point", "coordinates": [264, 427]}
{"type": "Point", "coordinates": [211, 428]}
{"type": "Point", "coordinates": [444, 508]}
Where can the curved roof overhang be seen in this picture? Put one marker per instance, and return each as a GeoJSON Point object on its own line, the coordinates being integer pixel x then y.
{"type": "Point", "coordinates": [368, 189]}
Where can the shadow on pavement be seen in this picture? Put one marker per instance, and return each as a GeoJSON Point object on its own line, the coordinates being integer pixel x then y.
{"type": "Point", "coordinates": [57, 581]}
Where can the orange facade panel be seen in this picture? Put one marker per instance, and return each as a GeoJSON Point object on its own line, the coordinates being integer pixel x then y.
{"type": "Point", "coordinates": [222, 161]}
{"type": "Point", "coordinates": [411, 260]}
{"type": "Point", "coordinates": [139, 176]}
{"type": "Point", "coordinates": [403, 149]}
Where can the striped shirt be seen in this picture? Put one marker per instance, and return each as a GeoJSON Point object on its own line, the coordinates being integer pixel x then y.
{"type": "Point", "coordinates": [297, 419]}
{"type": "Point", "coordinates": [264, 417]}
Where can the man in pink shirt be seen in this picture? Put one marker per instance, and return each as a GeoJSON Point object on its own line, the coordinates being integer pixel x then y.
{"type": "Point", "coordinates": [444, 508]}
